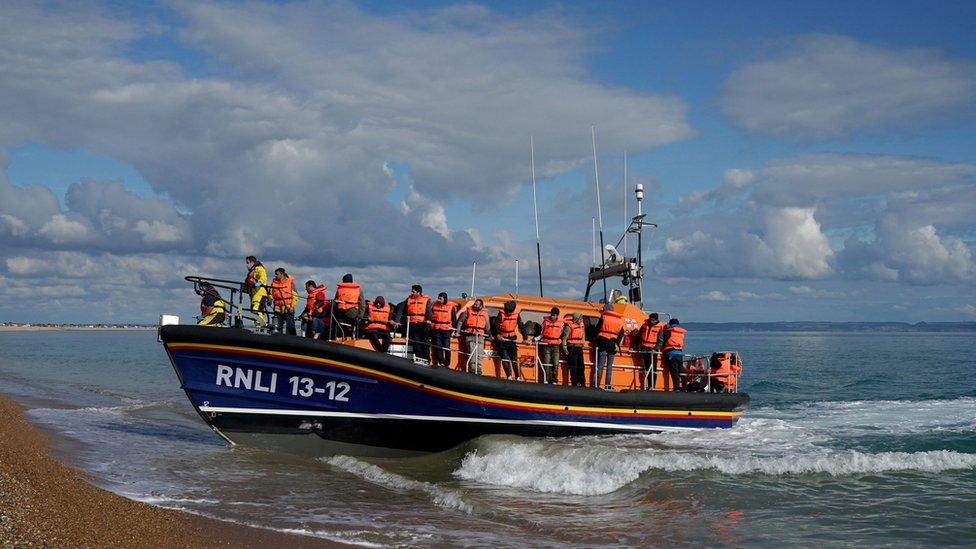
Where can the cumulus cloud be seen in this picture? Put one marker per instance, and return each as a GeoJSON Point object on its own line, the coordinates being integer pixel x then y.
{"type": "Point", "coordinates": [825, 86]}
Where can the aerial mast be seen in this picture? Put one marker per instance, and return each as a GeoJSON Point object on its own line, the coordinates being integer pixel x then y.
{"type": "Point", "coordinates": [535, 208]}
{"type": "Point", "coordinates": [599, 210]}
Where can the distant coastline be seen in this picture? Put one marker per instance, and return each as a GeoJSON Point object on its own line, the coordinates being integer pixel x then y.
{"type": "Point", "coordinates": [921, 327]}
{"type": "Point", "coordinates": [47, 327]}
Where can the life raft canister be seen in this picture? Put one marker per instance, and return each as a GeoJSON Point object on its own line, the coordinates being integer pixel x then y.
{"type": "Point", "coordinates": [611, 323]}
{"type": "Point", "coordinates": [347, 296]}
{"type": "Point", "coordinates": [440, 315]}
{"type": "Point", "coordinates": [417, 308]}
{"type": "Point", "coordinates": [552, 331]}
{"type": "Point", "coordinates": [379, 317]}
{"type": "Point", "coordinates": [476, 321]}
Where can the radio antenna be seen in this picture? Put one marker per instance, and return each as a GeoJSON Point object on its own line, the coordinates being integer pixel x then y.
{"type": "Point", "coordinates": [599, 211]}
{"type": "Point", "coordinates": [535, 208]}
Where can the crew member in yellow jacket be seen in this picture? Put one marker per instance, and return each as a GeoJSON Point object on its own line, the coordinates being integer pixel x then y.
{"type": "Point", "coordinates": [256, 285]}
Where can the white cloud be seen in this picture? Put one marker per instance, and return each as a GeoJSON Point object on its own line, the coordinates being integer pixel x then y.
{"type": "Point", "coordinates": [63, 230]}
{"type": "Point", "coordinates": [826, 86]}
{"type": "Point", "coordinates": [714, 295]}
{"type": "Point", "coordinates": [799, 247]}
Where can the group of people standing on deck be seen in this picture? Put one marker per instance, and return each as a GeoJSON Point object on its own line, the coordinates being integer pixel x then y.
{"type": "Point", "coordinates": [430, 324]}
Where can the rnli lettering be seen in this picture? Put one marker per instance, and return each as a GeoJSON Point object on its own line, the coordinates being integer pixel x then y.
{"type": "Point", "coordinates": [256, 380]}
{"type": "Point", "coordinates": [246, 378]}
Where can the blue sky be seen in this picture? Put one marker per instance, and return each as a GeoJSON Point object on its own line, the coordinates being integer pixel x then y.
{"type": "Point", "coordinates": [808, 161]}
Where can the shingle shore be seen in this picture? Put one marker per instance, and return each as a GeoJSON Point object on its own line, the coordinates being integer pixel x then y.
{"type": "Point", "coordinates": [44, 503]}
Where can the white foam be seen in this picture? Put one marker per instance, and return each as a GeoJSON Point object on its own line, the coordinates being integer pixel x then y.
{"type": "Point", "coordinates": [442, 497]}
{"type": "Point", "coordinates": [599, 468]}
{"type": "Point", "coordinates": [883, 416]}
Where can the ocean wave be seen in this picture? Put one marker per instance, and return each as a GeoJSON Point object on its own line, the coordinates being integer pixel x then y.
{"type": "Point", "coordinates": [41, 413]}
{"type": "Point", "coordinates": [590, 469]}
{"type": "Point", "coordinates": [442, 497]}
{"type": "Point", "coordinates": [894, 416]}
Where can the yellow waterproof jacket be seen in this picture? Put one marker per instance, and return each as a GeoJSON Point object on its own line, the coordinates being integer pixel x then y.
{"type": "Point", "coordinates": [257, 279]}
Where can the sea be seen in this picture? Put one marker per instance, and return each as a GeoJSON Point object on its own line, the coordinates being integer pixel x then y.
{"type": "Point", "coordinates": [850, 439]}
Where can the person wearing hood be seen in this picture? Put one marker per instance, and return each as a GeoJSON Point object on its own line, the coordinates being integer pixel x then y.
{"type": "Point", "coordinates": [256, 285]}
{"type": "Point", "coordinates": [507, 324]}
{"type": "Point", "coordinates": [378, 324]}
{"type": "Point", "coordinates": [213, 309]}
{"type": "Point", "coordinates": [610, 333]}
{"type": "Point", "coordinates": [573, 338]}
{"type": "Point", "coordinates": [475, 328]}
{"type": "Point", "coordinates": [443, 319]}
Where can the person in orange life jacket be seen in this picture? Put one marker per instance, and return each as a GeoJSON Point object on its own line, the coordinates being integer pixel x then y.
{"type": "Point", "coordinates": [572, 339]}
{"type": "Point", "coordinates": [551, 338]}
{"type": "Point", "coordinates": [417, 309]}
{"type": "Point", "coordinates": [348, 306]}
{"type": "Point", "coordinates": [284, 299]}
{"type": "Point", "coordinates": [475, 328]}
{"type": "Point", "coordinates": [213, 309]}
{"type": "Point", "coordinates": [443, 319]}
{"type": "Point", "coordinates": [507, 323]}
{"type": "Point", "coordinates": [674, 343]}
{"type": "Point", "coordinates": [316, 313]}
{"type": "Point", "coordinates": [377, 330]}
{"type": "Point", "coordinates": [651, 342]}
{"type": "Point", "coordinates": [610, 332]}
{"type": "Point", "coordinates": [255, 284]}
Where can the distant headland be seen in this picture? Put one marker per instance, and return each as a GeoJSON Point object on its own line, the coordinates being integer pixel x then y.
{"type": "Point", "coordinates": [809, 326]}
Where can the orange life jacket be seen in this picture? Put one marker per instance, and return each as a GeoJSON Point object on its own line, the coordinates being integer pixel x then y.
{"type": "Point", "coordinates": [440, 315]}
{"type": "Point", "coordinates": [649, 333]}
{"type": "Point", "coordinates": [610, 324]}
{"type": "Point", "coordinates": [316, 300]}
{"type": "Point", "coordinates": [283, 293]}
{"type": "Point", "coordinates": [721, 367]}
{"type": "Point", "coordinates": [507, 324]}
{"type": "Point", "coordinates": [347, 296]}
{"type": "Point", "coordinates": [552, 330]}
{"type": "Point", "coordinates": [379, 317]}
{"type": "Point", "coordinates": [675, 339]}
{"type": "Point", "coordinates": [476, 321]}
{"type": "Point", "coordinates": [417, 308]}
{"type": "Point", "coordinates": [576, 331]}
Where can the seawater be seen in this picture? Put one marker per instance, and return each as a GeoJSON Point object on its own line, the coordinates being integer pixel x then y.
{"type": "Point", "coordinates": [850, 439]}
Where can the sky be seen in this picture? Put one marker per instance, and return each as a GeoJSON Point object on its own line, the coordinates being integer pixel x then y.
{"type": "Point", "coordinates": [803, 161]}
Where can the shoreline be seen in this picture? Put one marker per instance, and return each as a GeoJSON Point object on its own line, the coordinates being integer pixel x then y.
{"type": "Point", "coordinates": [44, 502]}
{"type": "Point", "coordinates": [72, 329]}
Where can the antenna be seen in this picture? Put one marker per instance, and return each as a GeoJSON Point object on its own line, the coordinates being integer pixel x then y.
{"type": "Point", "coordinates": [639, 192]}
{"type": "Point", "coordinates": [599, 210]}
{"type": "Point", "coordinates": [474, 267]}
{"type": "Point", "coordinates": [535, 208]}
{"type": "Point", "coordinates": [626, 221]}
{"type": "Point", "coordinates": [516, 277]}
{"type": "Point", "coordinates": [593, 248]}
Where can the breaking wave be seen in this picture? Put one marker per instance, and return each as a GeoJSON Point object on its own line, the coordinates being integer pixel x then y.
{"type": "Point", "coordinates": [442, 497]}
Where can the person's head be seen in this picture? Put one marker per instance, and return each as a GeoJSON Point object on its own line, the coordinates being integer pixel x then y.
{"type": "Point", "coordinates": [380, 301]}
{"type": "Point", "coordinates": [203, 288]}
{"type": "Point", "coordinates": [251, 261]}
{"type": "Point", "coordinates": [279, 274]}
{"type": "Point", "coordinates": [510, 306]}
{"type": "Point", "coordinates": [608, 306]}
{"type": "Point", "coordinates": [442, 297]}
{"type": "Point", "coordinates": [416, 290]}
{"type": "Point", "coordinates": [653, 317]}
{"type": "Point", "coordinates": [310, 285]}
{"type": "Point", "coordinates": [478, 305]}
{"type": "Point", "coordinates": [347, 278]}
{"type": "Point", "coordinates": [554, 313]}
{"type": "Point", "coordinates": [577, 317]}
{"type": "Point", "coordinates": [673, 322]}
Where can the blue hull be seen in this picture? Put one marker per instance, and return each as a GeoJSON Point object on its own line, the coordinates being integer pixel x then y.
{"type": "Point", "coordinates": [256, 388]}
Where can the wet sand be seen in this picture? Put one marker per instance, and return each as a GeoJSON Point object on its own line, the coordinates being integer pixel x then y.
{"type": "Point", "coordinates": [46, 503]}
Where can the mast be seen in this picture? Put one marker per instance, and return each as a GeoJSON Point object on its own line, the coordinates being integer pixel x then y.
{"type": "Point", "coordinates": [626, 220]}
{"type": "Point", "coordinates": [535, 208]}
{"type": "Point", "coordinates": [639, 191]}
{"type": "Point", "coordinates": [599, 209]}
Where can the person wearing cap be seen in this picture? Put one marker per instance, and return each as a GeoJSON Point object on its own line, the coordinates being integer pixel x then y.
{"type": "Point", "coordinates": [348, 305]}
{"type": "Point", "coordinates": [378, 324]}
{"type": "Point", "coordinates": [651, 343]}
{"type": "Point", "coordinates": [507, 324]}
{"type": "Point", "coordinates": [551, 337]}
{"type": "Point", "coordinates": [213, 309]}
{"type": "Point", "coordinates": [610, 333]}
{"type": "Point", "coordinates": [475, 328]}
{"type": "Point", "coordinates": [573, 338]}
{"type": "Point", "coordinates": [443, 319]}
